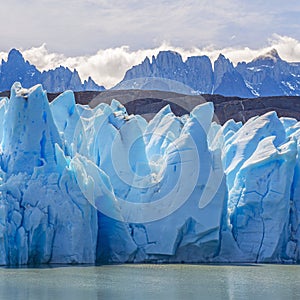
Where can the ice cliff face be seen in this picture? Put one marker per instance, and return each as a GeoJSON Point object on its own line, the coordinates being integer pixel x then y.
{"type": "Point", "coordinates": [40, 198]}
{"type": "Point", "coordinates": [82, 185]}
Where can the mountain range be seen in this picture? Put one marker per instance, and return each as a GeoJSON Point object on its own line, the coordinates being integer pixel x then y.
{"type": "Point", "coordinates": [57, 80]}
{"type": "Point", "coordinates": [266, 75]}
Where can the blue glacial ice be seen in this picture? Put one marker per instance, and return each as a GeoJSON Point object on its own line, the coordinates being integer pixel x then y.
{"type": "Point", "coordinates": [82, 185]}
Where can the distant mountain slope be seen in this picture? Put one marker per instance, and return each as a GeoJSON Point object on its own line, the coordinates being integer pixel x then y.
{"type": "Point", "coordinates": [267, 75]}
{"type": "Point", "coordinates": [147, 103]}
{"type": "Point", "coordinates": [57, 80]}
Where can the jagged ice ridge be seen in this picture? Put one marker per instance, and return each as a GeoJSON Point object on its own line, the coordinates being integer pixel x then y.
{"type": "Point", "coordinates": [82, 185]}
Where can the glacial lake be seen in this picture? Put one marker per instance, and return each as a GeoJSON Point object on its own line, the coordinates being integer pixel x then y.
{"type": "Point", "coordinates": [151, 282]}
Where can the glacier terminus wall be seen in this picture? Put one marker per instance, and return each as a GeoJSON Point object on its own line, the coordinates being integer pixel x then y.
{"type": "Point", "coordinates": [83, 185]}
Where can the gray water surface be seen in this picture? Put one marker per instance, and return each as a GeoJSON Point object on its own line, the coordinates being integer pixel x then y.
{"type": "Point", "coordinates": [152, 282]}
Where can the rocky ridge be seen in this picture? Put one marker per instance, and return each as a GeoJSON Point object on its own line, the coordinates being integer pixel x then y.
{"type": "Point", "coordinates": [148, 103]}
{"type": "Point", "coordinates": [266, 75]}
{"type": "Point", "coordinates": [57, 80]}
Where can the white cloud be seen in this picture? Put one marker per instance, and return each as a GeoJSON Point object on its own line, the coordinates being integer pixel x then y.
{"type": "Point", "coordinates": [74, 27]}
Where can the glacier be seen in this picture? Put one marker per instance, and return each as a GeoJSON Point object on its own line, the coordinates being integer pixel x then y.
{"type": "Point", "coordinates": [96, 185]}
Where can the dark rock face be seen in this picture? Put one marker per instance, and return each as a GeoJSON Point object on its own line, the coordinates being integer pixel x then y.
{"type": "Point", "coordinates": [267, 75]}
{"type": "Point", "coordinates": [57, 80]}
{"type": "Point", "coordinates": [147, 103]}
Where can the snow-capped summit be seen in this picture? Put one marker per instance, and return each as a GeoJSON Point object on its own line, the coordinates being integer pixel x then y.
{"type": "Point", "coordinates": [269, 75]}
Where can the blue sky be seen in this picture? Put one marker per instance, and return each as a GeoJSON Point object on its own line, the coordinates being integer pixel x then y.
{"type": "Point", "coordinates": [76, 28]}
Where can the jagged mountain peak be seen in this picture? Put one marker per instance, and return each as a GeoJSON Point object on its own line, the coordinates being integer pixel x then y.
{"type": "Point", "coordinates": [90, 85]}
{"type": "Point", "coordinates": [172, 72]}
{"type": "Point", "coordinates": [222, 57]}
{"type": "Point", "coordinates": [266, 75]}
{"type": "Point", "coordinates": [270, 55]}
{"type": "Point", "coordinates": [168, 53]}
{"type": "Point", "coordinates": [167, 57]}
{"type": "Point", "coordinates": [15, 54]}
{"type": "Point", "coordinates": [222, 60]}
{"type": "Point", "coordinates": [147, 60]}
{"type": "Point", "coordinates": [54, 80]}
{"type": "Point", "coordinates": [16, 58]}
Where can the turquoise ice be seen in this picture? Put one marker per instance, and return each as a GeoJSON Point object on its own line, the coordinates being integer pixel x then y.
{"type": "Point", "coordinates": [82, 185]}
